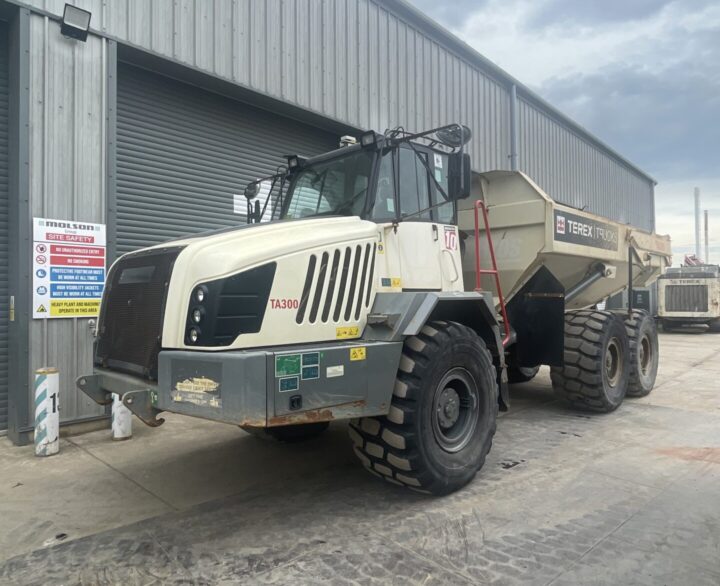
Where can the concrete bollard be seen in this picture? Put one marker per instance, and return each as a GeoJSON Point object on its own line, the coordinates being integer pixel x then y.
{"type": "Point", "coordinates": [47, 411]}
{"type": "Point", "coordinates": [121, 419]}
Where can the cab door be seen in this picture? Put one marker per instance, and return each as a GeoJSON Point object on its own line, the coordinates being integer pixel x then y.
{"type": "Point", "coordinates": [425, 243]}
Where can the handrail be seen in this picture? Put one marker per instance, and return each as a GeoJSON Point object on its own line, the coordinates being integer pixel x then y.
{"type": "Point", "coordinates": [480, 205]}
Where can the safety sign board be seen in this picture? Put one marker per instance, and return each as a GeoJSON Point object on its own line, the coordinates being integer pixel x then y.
{"type": "Point", "coordinates": [68, 268]}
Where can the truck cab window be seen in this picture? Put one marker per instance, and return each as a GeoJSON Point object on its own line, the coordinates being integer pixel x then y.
{"type": "Point", "coordinates": [413, 181]}
{"type": "Point", "coordinates": [444, 212]}
{"type": "Point", "coordinates": [384, 207]}
{"type": "Point", "coordinates": [334, 187]}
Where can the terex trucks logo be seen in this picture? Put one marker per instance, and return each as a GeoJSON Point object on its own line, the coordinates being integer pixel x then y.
{"type": "Point", "coordinates": [580, 230]}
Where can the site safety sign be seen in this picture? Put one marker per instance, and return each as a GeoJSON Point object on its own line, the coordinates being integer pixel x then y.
{"type": "Point", "coordinates": [68, 268]}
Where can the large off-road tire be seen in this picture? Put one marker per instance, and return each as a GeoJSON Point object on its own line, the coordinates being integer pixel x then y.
{"type": "Point", "coordinates": [521, 374]}
{"type": "Point", "coordinates": [442, 415]}
{"type": "Point", "coordinates": [644, 353]}
{"type": "Point", "coordinates": [288, 433]}
{"type": "Point", "coordinates": [597, 361]}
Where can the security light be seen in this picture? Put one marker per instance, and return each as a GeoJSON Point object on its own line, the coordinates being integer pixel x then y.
{"type": "Point", "coordinates": [294, 162]}
{"type": "Point", "coordinates": [368, 138]}
{"type": "Point", "coordinates": [75, 23]}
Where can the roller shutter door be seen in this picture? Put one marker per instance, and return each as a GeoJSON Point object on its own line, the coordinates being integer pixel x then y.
{"type": "Point", "coordinates": [182, 152]}
{"type": "Point", "coordinates": [4, 253]}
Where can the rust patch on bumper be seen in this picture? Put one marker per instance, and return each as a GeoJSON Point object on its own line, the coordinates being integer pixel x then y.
{"type": "Point", "coordinates": [344, 411]}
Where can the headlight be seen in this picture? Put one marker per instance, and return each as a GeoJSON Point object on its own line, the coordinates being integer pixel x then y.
{"type": "Point", "coordinates": [197, 315]}
{"type": "Point", "coordinates": [200, 294]}
{"type": "Point", "coordinates": [193, 335]}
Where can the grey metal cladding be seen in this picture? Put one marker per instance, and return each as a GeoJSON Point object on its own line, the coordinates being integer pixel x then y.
{"type": "Point", "coordinates": [182, 153]}
{"type": "Point", "coordinates": [573, 170]}
{"type": "Point", "coordinates": [4, 213]}
{"type": "Point", "coordinates": [378, 64]}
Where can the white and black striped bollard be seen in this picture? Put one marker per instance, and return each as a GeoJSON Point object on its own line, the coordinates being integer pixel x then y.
{"type": "Point", "coordinates": [47, 411]}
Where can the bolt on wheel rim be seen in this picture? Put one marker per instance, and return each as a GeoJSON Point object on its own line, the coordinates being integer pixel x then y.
{"type": "Point", "coordinates": [456, 406]}
{"type": "Point", "coordinates": [613, 366]}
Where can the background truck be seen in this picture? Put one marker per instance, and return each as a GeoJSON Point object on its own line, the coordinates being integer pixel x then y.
{"type": "Point", "coordinates": [363, 299]}
{"type": "Point", "coordinates": [690, 295]}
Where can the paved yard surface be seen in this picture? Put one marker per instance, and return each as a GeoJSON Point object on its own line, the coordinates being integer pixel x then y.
{"type": "Point", "coordinates": [565, 498]}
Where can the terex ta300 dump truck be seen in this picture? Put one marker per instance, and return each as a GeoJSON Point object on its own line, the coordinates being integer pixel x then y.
{"type": "Point", "coordinates": [362, 299]}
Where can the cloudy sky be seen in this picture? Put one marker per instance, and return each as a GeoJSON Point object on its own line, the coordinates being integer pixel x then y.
{"type": "Point", "coordinates": [642, 75]}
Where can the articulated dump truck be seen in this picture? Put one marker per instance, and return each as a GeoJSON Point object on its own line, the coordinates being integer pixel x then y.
{"type": "Point", "coordinates": [690, 296]}
{"type": "Point", "coordinates": [392, 288]}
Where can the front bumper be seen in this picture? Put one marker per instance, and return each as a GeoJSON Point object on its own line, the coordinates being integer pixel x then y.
{"type": "Point", "coordinates": [260, 388]}
{"type": "Point", "coordinates": [138, 395]}
{"type": "Point", "coordinates": [689, 319]}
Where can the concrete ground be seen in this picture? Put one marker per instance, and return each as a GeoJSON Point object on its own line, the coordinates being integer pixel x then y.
{"type": "Point", "coordinates": [565, 498]}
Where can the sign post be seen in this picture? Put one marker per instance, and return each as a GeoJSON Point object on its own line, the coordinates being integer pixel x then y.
{"type": "Point", "coordinates": [68, 268]}
{"type": "Point", "coordinates": [47, 412]}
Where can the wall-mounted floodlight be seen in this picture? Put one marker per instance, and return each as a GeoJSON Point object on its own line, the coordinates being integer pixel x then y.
{"type": "Point", "coordinates": [75, 23]}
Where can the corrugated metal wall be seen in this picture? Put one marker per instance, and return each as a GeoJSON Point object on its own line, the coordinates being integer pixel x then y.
{"type": "Point", "coordinates": [4, 253]}
{"type": "Point", "coordinates": [574, 171]}
{"type": "Point", "coordinates": [67, 180]}
{"type": "Point", "coordinates": [182, 153]}
{"type": "Point", "coordinates": [352, 60]}
{"type": "Point", "coordinates": [360, 63]}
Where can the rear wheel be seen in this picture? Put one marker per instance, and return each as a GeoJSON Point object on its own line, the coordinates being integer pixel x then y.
{"type": "Point", "coordinates": [596, 366]}
{"type": "Point", "coordinates": [442, 416]}
{"type": "Point", "coordinates": [521, 374]}
{"type": "Point", "coordinates": [644, 353]}
{"type": "Point", "coordinates": [288, 433]}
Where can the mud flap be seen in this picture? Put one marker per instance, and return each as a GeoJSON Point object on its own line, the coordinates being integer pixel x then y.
{"type": "Point", "coordinates": [537, 314]}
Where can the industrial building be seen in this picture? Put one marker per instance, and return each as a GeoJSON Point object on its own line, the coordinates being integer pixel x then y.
{"type": "Point", "coordinates": [153, 123]}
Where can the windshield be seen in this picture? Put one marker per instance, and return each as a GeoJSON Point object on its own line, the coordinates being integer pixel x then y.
{"type": "Point", "coordinates": [335, 187]}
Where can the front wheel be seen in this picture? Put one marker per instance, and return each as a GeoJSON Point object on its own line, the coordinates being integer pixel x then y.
{"type": "Point", "coordinates": [442, 416]}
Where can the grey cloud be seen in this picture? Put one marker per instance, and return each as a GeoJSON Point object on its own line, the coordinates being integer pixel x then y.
{"type": "Point", "coordinates": [449, 14]}
{"type": "Point", "coordinates": [592, 12]}
{"type": "Point", "coordinates": [667, 122]}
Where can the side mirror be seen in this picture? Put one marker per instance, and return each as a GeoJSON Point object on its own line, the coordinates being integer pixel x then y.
{"type": "Point", "coordinates": [454, 135]}
{"type": "Point", "coordinates": [459, 176]}
{"type": "Point", "coordinates": [251, 190]}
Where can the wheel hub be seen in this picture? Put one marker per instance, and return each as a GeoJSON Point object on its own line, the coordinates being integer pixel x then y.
{"type": "Point", "coordinates": [448, 408]}
{"type": "Point", "coordinates": [645, 355]}
{"type": "Point", "coordinates": [613, 367]}
{"type": "Point", "coordinates": [456, 407]}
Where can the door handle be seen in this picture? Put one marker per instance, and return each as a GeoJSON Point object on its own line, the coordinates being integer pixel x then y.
{"type": "Point", "coordinates": [435, 233]}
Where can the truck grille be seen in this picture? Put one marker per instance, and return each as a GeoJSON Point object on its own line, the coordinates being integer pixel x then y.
{"type": "Point", "coordinates": [338, 285]}
{"type": "Point", "coordinates": [130, 325]}
{"type": "Point", "coordinates": [689, 298]}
